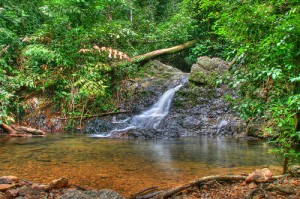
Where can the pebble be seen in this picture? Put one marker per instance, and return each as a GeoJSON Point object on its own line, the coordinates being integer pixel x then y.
{"type": "Point", "coordinates": [59, 183]}
{"type": "Point", "coordinates": [252, 185]}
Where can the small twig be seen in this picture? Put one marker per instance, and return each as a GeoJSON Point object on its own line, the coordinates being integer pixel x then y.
{"type": "Point", "coordinates": [150, 195]}
{"type": "Point", "coordinates": [92, 116]}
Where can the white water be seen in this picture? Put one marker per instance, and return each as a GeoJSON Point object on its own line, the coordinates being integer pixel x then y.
{"type": "Point", "coordinates": [149, 119]}
{"type": "Point", "coordinates": [220, 125]}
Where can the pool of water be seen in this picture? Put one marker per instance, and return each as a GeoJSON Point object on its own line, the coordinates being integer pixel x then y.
{"type": "Point", "coordinates": [128, 166]}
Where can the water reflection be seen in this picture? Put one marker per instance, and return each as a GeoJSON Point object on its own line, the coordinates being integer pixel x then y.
{"type": "Point", "coordinates": [215, 151]}
{"type": "Point", "coordinates": [128, 166]}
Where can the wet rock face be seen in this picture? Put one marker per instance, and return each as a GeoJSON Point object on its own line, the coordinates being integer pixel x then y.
{"type": "Point", "coordinates": [202, 110]}
{"type": "Point", "coordinates": [196, 108]}
{"type": "Point", "coordinates": [145, 91]}
{"type": "Point", "coordinates": [98, 125]}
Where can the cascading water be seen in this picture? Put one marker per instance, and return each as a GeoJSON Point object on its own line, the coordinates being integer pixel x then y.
{"type": "Point", "coordinates": [149, 119]}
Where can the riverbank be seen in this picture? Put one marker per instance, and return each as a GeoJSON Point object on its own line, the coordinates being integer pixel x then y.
{"type": "Point", "coordinates": [260, 183]}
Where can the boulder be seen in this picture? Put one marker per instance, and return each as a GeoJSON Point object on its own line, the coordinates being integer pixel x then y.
{"type": "Point", "coordinates": [206, 70]}
{"type": "Point", "coordinates": [259, 175]}
{"type": "Point", "coordinates": [103, 194]}
{"type": "Point", "coordinates": [59, 183]}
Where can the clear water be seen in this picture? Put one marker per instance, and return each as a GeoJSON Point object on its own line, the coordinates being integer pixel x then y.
{"type": "Point", "coordinates": [128, 166]}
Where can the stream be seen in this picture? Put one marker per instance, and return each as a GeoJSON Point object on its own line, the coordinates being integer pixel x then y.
{"type": "Point", "coordinates": [128, 166]}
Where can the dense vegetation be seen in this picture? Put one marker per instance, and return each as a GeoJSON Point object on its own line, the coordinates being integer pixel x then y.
{"type": "Point", "coordinates": [40, 40]}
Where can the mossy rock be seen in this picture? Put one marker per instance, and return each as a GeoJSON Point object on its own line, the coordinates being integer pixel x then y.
{"type": "Point", "coordinates": [207, 70]}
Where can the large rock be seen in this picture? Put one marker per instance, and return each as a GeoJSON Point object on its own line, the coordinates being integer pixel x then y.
{"type": "Point", "coordinates": [102, 194]}
{"type": "Point", "coordinates": [206, 70]}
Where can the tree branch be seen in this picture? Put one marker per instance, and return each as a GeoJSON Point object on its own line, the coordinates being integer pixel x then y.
{"type": "Point", "coordinates": [172, 191]}
{"type": "Point", "coordinates": [92, 116]}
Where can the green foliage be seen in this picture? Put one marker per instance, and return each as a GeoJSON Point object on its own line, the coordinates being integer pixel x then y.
{"type": "Point", "coordinates": [266, 36]}
{"type": "Point", "coordinates": [40, 43]}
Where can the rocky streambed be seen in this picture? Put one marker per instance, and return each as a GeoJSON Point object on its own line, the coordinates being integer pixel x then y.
{"type": "Point", "coordinates": [14, 187]}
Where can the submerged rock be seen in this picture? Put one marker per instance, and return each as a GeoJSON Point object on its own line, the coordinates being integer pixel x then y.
{"type": "Point", "coordinates": [147, 134]}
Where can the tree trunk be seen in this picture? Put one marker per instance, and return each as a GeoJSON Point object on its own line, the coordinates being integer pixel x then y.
{"type": "Point", "coordinates": [165, 51]}
{"type": "Point", "coordinates": [285, 165]}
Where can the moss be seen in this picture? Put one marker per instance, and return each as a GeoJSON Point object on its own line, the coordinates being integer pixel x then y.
{"type": "Point", "coordinates": [205, 78]}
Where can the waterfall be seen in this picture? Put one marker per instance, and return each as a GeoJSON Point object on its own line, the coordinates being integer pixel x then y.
{"type": "Point", "coordinates": [149, 119]}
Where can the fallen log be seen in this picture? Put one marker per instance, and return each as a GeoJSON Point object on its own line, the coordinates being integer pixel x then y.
{"type": "Point", "coordinates": [21, 131]}
{"type": "Point", "coordinates": [28, 130]}
{"type": "Point", "coordinates": [8, 129]}
{"type": "Point", "coordinates": [139, 58]}
{"type": "Point", "coordinates": [165, 51]}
